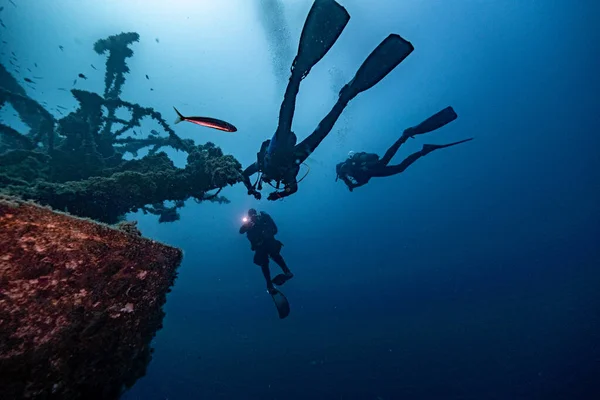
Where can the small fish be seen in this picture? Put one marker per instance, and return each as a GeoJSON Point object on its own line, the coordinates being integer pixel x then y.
{"type": "Point", "coordinates": [63, 89]}
{"type": "Point", "coordinates": [13, 53]}
{"type": "Point", "coordinates": [28, 80]}
{"type": "Point", "coordinates": [64, 108]}
{"type": "Point", "coordinates": [11, 2]}
{"type": "Point", "coordinates": [5, 42]}
{"type": "Point", "coordinates": [74, 82]}
{"type": "Point", "coordinates": [1, 8]}
{"type": "Point", "coordinates": [82, 76]}
{"type": "Point", "coordinates": [147, 77]}
{"type": "Point", "coordinates": [28, 70]}
{"type": "Point", "coordinates": [2, 23]}
{"type": "Point", "coordinates": [206, 121]}
{"type": "Point", "coordinates": [35, 64]}
{"type": "Point", "coordinates": [61, 48]}
{"type": "Point", "coordinates": [60, 112]}
{"type": "Point", "coordinates": [37, 77]}
{"type": "Point", "coordinates": [93, 67]}
{"type": "Point", "coordinates": [152, 90]}
{"type": "Point", "coordinates": [157, 41]}
{"type": "Point", "coordinates": [154, 132]}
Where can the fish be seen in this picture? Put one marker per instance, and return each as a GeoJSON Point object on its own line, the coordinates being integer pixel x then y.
{"type": "Point", "coordinates": [206, 121]}
{"type": "Point", "coordinates": [152, 90]}
{"type": "Point", "coordinates": [28, 80]}
{"type": "Point", "coordinates": [2, 23]}
{"type": "Point", "coordinates": [157, 41]}
{"type": "Point", "coordinates": [93, 66]}
{"type": "Point", "coordinates": [74, 82]}
{"type": "Point", "coordinates": [35, 64]}
{"type": "Point", "coordinates": [37, 77]}
{"type": "Point", "coordinates": [61, 48]}
{"type": "Point", "coordinates": [28, 70]}
{"type": "Point", "coordinates": [63, 89]}
{"type": "Point", "coordinates": [11, 2]}
{"type": "Point", "coordinates": [1, 8]}
{"type": "Point", "coordinates": [147, 77]}
{"type": "Point", "coordinates": [82, 76]}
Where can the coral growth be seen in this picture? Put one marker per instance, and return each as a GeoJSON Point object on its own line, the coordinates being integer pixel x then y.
{"type": "Point", "coordinates": [77, 163]}
{"type": "Point", "coordinates": [79, 303]}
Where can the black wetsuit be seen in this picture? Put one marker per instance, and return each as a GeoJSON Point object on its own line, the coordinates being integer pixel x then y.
{"type": "Point", "coordinates": [261, 231]}
{"type": "Point", "coordinates": [361, 167]}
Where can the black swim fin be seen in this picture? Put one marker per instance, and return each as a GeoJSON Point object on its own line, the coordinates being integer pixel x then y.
{"type": "Point", "coordinates": [428, 148]}
{"type": "Point", "coordinates": [434, 122]}
{"type": "Point", "coordinates": [390, 52]}
{"type": "Point", "coordinates": [281, 303]}
{"type": "Point", "coordinates": [324, 24]}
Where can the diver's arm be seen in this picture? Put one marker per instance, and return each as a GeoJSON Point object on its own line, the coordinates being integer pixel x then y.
{"type": "Point", "coordinates": [289, 190]}
{"type": "Point", "coordinates": [248, 172]}
{"type": "Point", "coordinates": [244, 228]}
{"type": "Point", "coordinates": [348, 182]}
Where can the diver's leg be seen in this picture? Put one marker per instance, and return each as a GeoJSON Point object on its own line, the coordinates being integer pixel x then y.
{"type": "Point", "coordinates": [288, 106]}
{"type": "Point", "coordinates": [278, 258]}
{"type": "Point", "coordinates": [287, 274]}
{"type": "Point", "coordinates": [308, 145]}
{"type": "Point", "coordinates": [275, 254]}
{"type": "Point", "coordinates": [396, 169]}
{"type": "Point", "coordinates": [389, 154]}
{"type": "Point", "coordinates": [261, 258]}
{"type": "Point", "coordinates": [324, 24]}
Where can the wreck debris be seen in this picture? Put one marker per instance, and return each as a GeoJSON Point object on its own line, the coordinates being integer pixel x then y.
{"type": "Point", "coordinates": [77, 164]}
{"type": "Point", "coordinates": [79, 303]}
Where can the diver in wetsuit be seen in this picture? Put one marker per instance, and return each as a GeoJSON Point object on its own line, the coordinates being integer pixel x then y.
{"type": "Point", "coordinates": [261, 231]}
{"type": "Point", "coordinates": [279, 159]}
{"type": "Point", "coordinates": [359, 168]}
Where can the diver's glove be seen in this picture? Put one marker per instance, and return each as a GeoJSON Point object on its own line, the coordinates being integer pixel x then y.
{"type": "Point", "coordinates": [255, 193]}
{"type": "Point", "coordinates": [274, 196]}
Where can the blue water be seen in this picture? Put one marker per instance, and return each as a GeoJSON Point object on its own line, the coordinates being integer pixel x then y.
{"type": "Point", "coordinates": [472, 275]}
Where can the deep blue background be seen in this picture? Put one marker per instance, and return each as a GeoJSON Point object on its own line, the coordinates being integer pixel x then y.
{"type": "Point", "coordinates": [473, 275]}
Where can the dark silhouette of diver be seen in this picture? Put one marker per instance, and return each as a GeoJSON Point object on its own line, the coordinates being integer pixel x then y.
{"type": "Point", "coordinates": [359, 168]}
{"type": "Point", "coordinates": [279, 158]}
{"type": "Point", "coordinates": [261, 231]}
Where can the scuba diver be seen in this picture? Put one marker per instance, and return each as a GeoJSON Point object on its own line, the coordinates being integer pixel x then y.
{"type": "Point", "coordinates": [359, 168]}
{"type": "Point", "coordinates": [279, 158]}
{"type": "Point", "coordinates": [261, 230]}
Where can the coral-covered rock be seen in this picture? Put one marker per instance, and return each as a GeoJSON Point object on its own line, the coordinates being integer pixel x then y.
{"type": "Point", "coordinates": [79, 304]}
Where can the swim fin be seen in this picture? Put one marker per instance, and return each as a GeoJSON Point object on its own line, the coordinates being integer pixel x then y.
{"type": "Point", "coordinates": [324, 24]}
{"type": "Point", "coordinates": [390, 52]}
{"type": "Point", "coordinates": [428, 148]}
{"type": "Point", "coordinates": [281, 303]}
{"type": "Point", "coordinates": [434, 122]}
